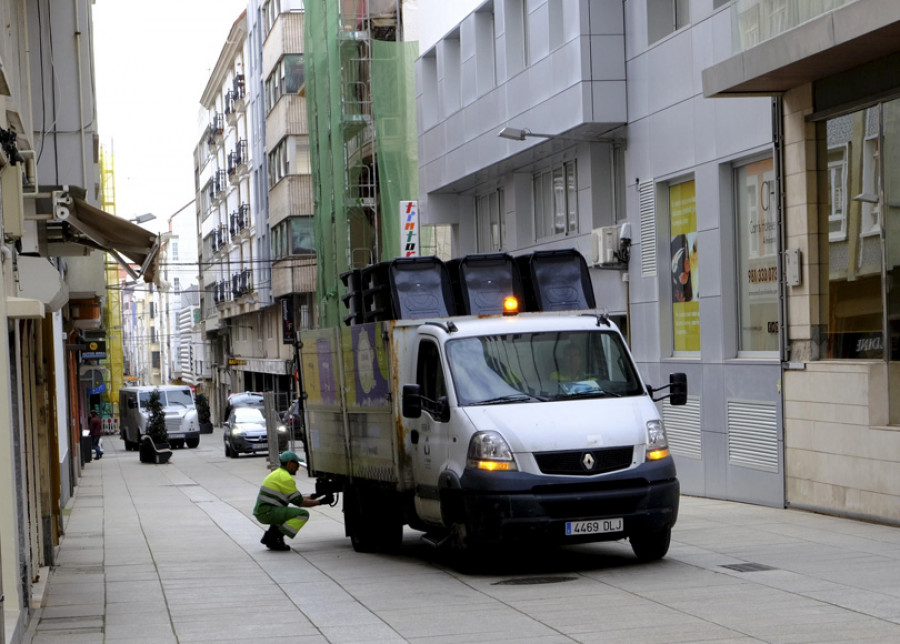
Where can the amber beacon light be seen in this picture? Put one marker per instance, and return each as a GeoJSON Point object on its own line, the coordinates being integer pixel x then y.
{"type": "Point", "coordinates": [510, 305]}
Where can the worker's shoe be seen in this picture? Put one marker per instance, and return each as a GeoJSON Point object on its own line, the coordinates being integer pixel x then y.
{"type": "Point", "coordinates": [270, 535]}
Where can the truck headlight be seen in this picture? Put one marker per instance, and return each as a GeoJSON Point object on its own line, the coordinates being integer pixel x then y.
{"type": "Point", "coordinates": [489, 451]}
{"type": "Point", "coordinates": [281, 429]}
{"type": "Point", "coordinates": [657, 445]}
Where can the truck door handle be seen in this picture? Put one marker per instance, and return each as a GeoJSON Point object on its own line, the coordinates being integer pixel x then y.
{"type": "Point", "coordinates": [414, 436]}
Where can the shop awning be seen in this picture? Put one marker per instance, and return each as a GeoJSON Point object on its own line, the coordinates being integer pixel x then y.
{"type": "Point", "coordinates": [119, 238]}
{"type": "Point", "coordinates": [71, 222]}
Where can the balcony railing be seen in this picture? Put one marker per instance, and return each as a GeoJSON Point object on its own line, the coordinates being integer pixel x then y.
{"type": "Point", "coordinates": [754, 21]}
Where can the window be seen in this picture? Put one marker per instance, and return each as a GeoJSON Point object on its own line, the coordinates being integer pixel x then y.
{"type": "Point", "coordinates": [430, 377]}
{"type": "Point", "coordinates": [870, 207]}
{"type": "Point", "coordinates": [684, 273]}
{"type": "Point", "coordinates": [837, 192]}
{"type": "Point", "coordinates": [556, 201]}
{"type": "Point", "coordinates": [852, 300]}
{"type": "Point", "coordinates": [488, 218]}
{"type": "Point", "coordinates": [270, 11]}
{"type": "Point", "coordinates": [665, 17]}
{"type": "Point", "coordinates": [154, 359]}
{"type": "Point", "coordinates": [287, 78]}
{"type": "Point", "coordinates": [516, 37]}
{"type": "Point", "coordinates": [279, 164]}
{"type": "Point", "coordinates": [177, 285]}
{"type": "Point", "coordinates": [294, 236]}
{"type": "Point", "coordinates": [757, 243]}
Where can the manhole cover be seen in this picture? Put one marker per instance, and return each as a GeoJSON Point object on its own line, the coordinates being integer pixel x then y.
{"type": "Point", "coordinates": [530, 581]}
{"type": "Point", "coordinates": [748, 567]}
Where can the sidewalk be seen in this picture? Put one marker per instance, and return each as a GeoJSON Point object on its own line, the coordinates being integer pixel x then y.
{"type": "Point", "coordinates": [169, 553]}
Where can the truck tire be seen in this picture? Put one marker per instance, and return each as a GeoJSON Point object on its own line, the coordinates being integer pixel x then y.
{"type": "Point", "coordinates": [371, 521]}
{"type": "Point", "coordinates": [652, 546]}
{"type": "Point", "coordinates": [192, 442]}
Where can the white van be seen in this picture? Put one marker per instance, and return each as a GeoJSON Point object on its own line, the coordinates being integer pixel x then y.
{"type": "Point", "coordinates": [176, 400]}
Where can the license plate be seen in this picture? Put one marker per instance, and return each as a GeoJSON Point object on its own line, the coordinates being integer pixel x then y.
{"type": "Point", "coordinates": [597, 526]}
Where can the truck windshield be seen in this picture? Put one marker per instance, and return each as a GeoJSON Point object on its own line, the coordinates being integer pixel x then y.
{"type": "Point", "coordinates": [180, 397]}
{"type": "Point", "coordinates": [533, 367]}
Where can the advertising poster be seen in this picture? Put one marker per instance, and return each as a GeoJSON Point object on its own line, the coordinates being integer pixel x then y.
{"type": "Point", "coordinates": [685, 278]}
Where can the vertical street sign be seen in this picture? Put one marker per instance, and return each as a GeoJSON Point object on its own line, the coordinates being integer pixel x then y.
{"type": "Point", "coordinates": [409, 229]}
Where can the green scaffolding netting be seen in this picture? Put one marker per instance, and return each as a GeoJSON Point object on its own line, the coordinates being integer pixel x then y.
{"type": "Point", "coordinates": [361, 106]}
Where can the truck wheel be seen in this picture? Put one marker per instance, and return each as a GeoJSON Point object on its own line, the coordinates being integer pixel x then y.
{"type": "Point", "coordinates": [192, 442]}
{"type": "Point", "coordinates": [372, 523]}
{"type": "Point", "coordinates": [653, 546]}
{"type": "Point", "coordinates": [228, 451]}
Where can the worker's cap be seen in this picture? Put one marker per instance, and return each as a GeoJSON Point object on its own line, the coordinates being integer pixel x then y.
{"type": "Point", "coordinates": [288, 456]}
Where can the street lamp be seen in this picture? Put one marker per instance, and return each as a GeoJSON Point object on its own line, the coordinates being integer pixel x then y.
{"type": "Point", "coordinates": [519, 134]}
{"type": "Point", "coordinates": [140, 219]}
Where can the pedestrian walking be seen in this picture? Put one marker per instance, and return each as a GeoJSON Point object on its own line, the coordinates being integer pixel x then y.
{"type": "Point", "coordinates": [95, 425]}
{"type": "Point", "coordinates": [273, 505]}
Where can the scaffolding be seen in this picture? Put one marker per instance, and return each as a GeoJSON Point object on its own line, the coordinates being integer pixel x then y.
{"type": "Point", "coordinates": [112, 320]}
{"type": "Point", "coordinates": [361, 102]}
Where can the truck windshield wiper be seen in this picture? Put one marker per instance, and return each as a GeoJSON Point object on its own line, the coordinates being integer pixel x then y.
{"type": "Point", "coordinates": [511, 398]}
{"type": "Point", "coordinates": [590, 394]}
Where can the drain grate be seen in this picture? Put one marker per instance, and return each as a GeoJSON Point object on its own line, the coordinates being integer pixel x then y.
{"type": "Point", "coordinates": [532, 581]}
{"type": "Point", "coordinates": [748, 567]}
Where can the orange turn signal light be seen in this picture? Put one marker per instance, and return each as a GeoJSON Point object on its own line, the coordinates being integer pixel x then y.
{"type": "Point", "coordinates": [510, 305]}
{"type": "Point", "coordinates": [657, 454]}
{"type": "Point", "coordinates": [493, 466]}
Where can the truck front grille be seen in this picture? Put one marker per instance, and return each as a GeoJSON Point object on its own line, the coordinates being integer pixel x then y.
{"type": "Point", "coordinates": [585, 462]}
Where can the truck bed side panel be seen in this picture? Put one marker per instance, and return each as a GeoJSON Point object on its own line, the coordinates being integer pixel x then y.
{"type": "Point", "coordinates": [367, 447]}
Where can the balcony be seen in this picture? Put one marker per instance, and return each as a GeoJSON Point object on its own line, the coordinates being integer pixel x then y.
{"type": "Point", "coordinates": [239, 220]}
{"type": "Point", "coordinates": [294, 275]}
{"type": "Point", "coordinates": [293, 195]}
{"type": "Point", "coordinates": [783, 45]}
{"type": "Point", "coordinates": [215, 130]}
{"type": "Point", "coordinates": [287, 118]}
{"type": "Point", "coordinates": [242, 283]}
{"type": "Point", "coordinates": [237, 162]}
{"type": "Point", "coordinates": [217, 187]}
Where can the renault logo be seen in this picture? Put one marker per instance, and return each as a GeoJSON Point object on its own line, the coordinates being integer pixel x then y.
{"type": "Point", "coordinates": [588, 461]}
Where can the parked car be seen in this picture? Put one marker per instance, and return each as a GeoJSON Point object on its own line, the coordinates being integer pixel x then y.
{"type": "Point", "coordinates": [246, 432]}
{"type": "Point", "coordinates": [244, 399]}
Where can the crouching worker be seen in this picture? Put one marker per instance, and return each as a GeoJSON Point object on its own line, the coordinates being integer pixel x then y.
{"type": "Point", "coordinates": [273, 505]}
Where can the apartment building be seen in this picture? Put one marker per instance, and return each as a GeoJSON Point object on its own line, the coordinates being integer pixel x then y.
{"type": "Point", "coordinates": [254, 206]}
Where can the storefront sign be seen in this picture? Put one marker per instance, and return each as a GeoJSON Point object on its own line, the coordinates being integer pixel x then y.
{"type": "Point", "coordinates": [409, 229]}
{"type": "Point", "coordinates": [287, 321]}
{"type": "Point", "coordinates": [684, 274]}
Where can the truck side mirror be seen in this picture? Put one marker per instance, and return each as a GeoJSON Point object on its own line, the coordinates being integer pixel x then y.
{"type": "Point", "coordinates": [411, 405]}
{"type": "Point", "coordinates": [443, 409]}
{"type": "Point", "coordinates": [677, 389]}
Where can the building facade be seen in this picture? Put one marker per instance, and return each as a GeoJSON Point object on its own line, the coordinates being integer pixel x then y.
{"type": "Point", "coordinates": [254, 206]}
{"type": "Point", "coordinates": [837, 97]}
{"type": "Point", "coordinates": [53, 283]}
{"type": "Point", "coordinates": [776, 200]}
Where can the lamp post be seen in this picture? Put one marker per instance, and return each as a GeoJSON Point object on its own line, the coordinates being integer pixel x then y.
{"type": "Point", "coordinates": [140, 219]}
{"type": "Point", "coordinates": [519, 134]}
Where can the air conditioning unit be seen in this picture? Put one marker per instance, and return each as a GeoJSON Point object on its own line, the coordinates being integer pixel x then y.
{"type": "Point", "coordinates": [604, 245]}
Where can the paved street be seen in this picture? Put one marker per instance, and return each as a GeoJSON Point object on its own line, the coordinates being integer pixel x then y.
{"type": "Point", "coordinates": [171, 553]}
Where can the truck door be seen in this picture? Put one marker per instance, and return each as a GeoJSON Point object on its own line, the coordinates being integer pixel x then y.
{"type": "Point", "coordinates": [429, 436]}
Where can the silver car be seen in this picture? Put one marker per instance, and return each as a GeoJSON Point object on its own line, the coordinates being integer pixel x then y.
{"type": "Point", "coordinates": [246, 433]}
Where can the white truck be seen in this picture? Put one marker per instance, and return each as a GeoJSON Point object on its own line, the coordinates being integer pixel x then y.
{"type": "Point", "coordinates": [470, 423]}
{"type": "Point", "coordinates": [178, 406]}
